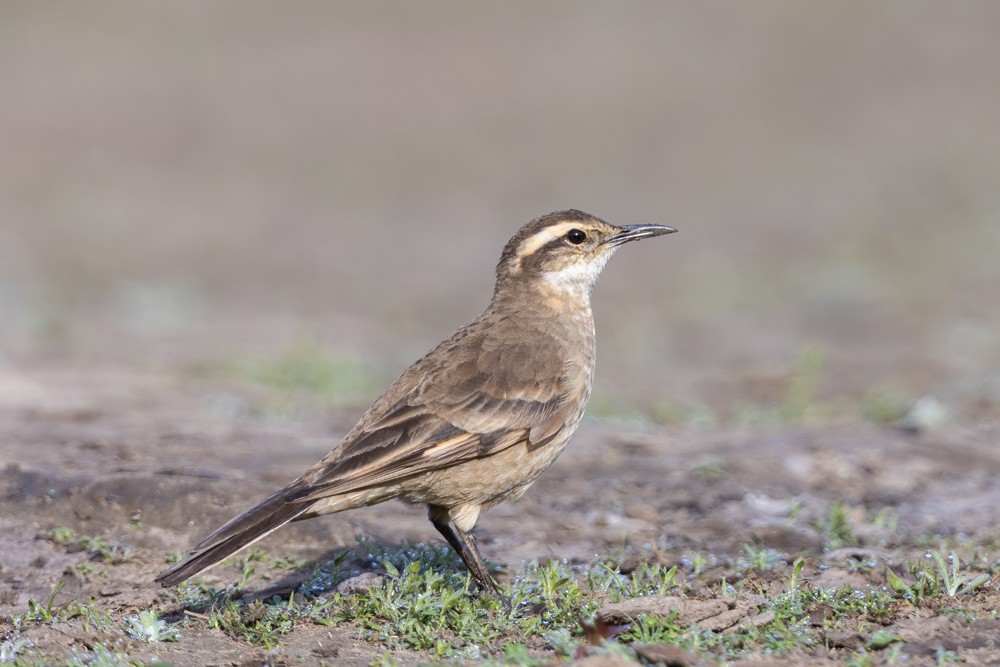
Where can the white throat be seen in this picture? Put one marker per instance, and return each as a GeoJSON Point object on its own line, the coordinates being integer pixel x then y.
{"type": "Point", "coordinates": [578, 279]}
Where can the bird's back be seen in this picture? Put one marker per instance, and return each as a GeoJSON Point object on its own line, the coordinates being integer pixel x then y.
{"type": "Point", "coordinates": [518, 376]}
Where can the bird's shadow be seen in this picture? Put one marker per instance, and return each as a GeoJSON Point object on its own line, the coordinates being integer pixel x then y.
{"type": "Point", "coordinates": [337, 568]}
{"type": "Point", "coordinates": [348, 571]}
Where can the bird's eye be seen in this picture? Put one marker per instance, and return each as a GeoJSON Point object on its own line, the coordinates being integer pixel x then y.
{"type": "Point", "coordinates": [576, 236]}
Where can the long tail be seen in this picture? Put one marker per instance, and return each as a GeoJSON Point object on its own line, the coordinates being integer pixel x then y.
{"type": "Point", "coordinates": [239, 532]}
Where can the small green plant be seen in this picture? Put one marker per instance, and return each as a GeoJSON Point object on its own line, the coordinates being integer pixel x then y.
{"type": "Point", "coordinates": [696, 563]}
{"type": "Point", "coordinates": [254, 555]}
{"type": "Point", "coordinates": [561, 640]}
{"type": "Point", "coordinates": [98, 547]}
{"type": "Point", "coordinates": [257, 623]}
{"type": "Point", "coordinates": [46, 613]}
{"type": "Point", "coordinates": [427, 606]}
{"type": "Point", "coordinates": [667, 630]}
{"type": "Point", "coordinates": [863, 565]}
{"type": "Point", "coordinates": [942, 578]}
{"type": "Point", "coordinates": [646, 579]}
{"type": "Point", "coordinates": [953, 582]}
{"type": "Point", "coordinates": [795, 576]}
{"type": "Point", "coordinates": [836, 527]}
{"type": "Point", "coordinates": [915, 593]}
{"type": "Point", "coordinates": [384, 660]}
{"type": "Point", "coordinates": [945, 657]}
{"type": "Point", "coordinates": [63, 534]}
{"type": "Point", "coordinates": [881, 639]}
{"type": "Point", "coordinates": [651, 630]}
{"type": "Point", "coordinates": [246, 574]}
{"type": "Point", "coordinates": [861, 659]}
{"type": "Point", "coordinates": [147, 627]}
{"type": "Point", "coordinates": [94, 618]}
{"type": "Point", "coordinates": [323, 577]}
{"type": "Point", "coordinates": [517, 655]}
{"type": "Point", "coordinates": [759, 558]}
{"type": "Point", "coordinates": [437, 556]}
{"type": "Point", "coordinates": [795, 606]}
{"type": "Point", "coordinates": [112, 554]}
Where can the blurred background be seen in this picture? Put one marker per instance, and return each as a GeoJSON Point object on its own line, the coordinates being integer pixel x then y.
{"type": "Point", "coordinates": [313, 194]}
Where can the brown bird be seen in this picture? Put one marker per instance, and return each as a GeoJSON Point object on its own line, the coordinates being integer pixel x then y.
{"type": "Point", "coordinates": [479, 417]}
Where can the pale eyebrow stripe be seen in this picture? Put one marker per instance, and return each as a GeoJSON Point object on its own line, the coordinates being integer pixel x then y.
{"type": "Point", "coordinates": [533, 243]}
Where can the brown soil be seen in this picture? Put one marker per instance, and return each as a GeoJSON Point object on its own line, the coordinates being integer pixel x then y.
{"type": "Point", "coordinates": [148, 464]}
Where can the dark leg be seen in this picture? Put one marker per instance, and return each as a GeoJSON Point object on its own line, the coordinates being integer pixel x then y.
{"type": "Point", "coordinates": [464, 545]}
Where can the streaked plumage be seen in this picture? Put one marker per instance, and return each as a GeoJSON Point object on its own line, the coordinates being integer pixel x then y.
{"type": "Point", "coordinates": [479, 417]}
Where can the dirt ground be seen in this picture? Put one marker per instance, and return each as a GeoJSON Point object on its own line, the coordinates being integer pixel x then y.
{"type": "Point", "coordinates": [149, 463]}
{"type": "Point", "coordinates": [224, 228]}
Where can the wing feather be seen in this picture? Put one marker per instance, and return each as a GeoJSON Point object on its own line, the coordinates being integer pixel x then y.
{"type": "Point", "coordinates": [436, 416]}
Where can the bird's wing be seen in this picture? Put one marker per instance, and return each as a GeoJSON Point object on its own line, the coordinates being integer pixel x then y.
{"type": "Point", "coordinates": [460, 412]}
{"type": "Point", "coordinates": [403, 447]}
{"type": "Point", "coordinates": [404, 441]}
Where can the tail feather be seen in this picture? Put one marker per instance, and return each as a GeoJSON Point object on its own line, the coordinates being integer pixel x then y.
{"type": "Point", "coordinates": [239, 532]}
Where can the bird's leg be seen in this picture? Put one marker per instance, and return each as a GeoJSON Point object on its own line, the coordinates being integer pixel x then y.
{"type": "Point", "coordinates": [464, 545]}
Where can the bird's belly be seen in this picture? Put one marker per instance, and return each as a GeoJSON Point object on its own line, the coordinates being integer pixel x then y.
{"type": "Point", "coordinates": [351, 500]}
{"type": "Point", "coordinates": [505, 475]}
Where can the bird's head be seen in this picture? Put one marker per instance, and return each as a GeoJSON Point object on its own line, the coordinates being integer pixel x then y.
{"type": "Point", "coordinates": [564, 252]}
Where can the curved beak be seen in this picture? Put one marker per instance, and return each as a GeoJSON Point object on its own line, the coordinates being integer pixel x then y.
{"type": "Point", "coordinates": [636, 232]}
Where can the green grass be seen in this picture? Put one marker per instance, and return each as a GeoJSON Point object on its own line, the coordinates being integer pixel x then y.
{"type": "Point", "coordinates": [424, 607]}
{"type": "Point", "coordinates": [97, 547]}
{"type": "Point", "coordinates": [836, 527]}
